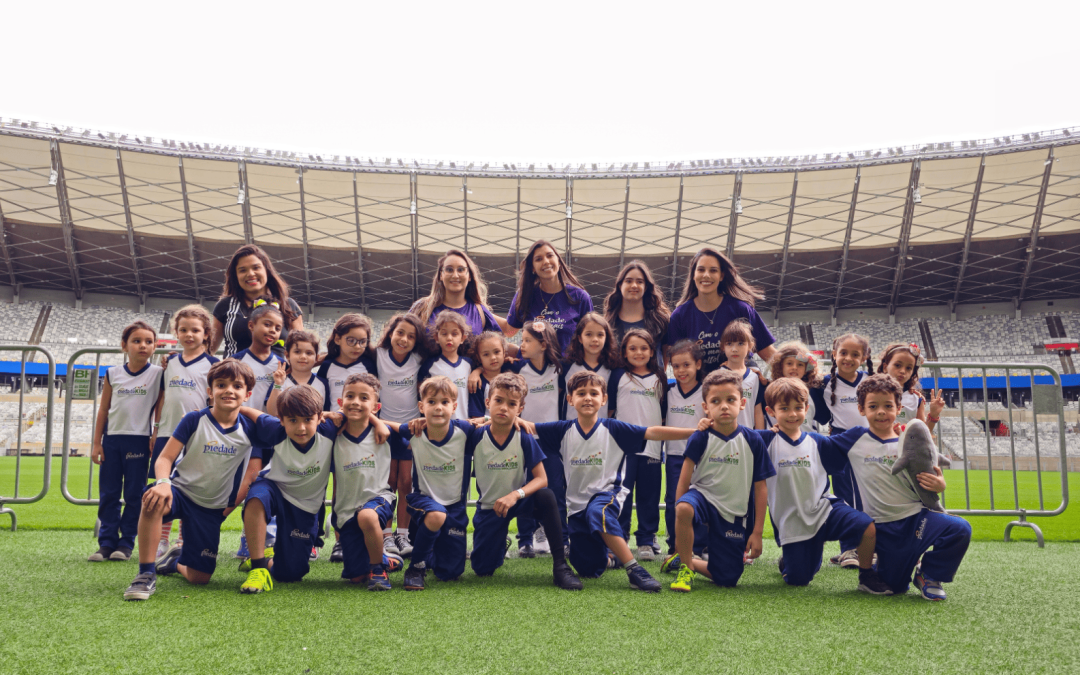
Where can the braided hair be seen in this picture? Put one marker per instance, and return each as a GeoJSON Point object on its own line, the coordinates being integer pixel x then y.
{"type": "Point", "coordinates": [864, 348]}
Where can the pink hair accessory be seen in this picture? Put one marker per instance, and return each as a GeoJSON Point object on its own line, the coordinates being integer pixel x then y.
{"type": "Point", "coordinates": [917, 352]}
{"type": "Point", "coordinates": [538, 326]}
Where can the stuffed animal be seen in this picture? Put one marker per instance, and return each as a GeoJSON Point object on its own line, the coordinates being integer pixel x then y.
{"type": "Point", "coordinates": [919, 454]}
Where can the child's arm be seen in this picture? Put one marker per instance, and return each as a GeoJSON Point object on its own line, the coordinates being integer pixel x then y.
{"type": "Point", "coordinates": [382, 431]}
{"type": "Point", "coordinates": [275, 391]}
{"type": "Point", "coordinates": [759, 417]}
{"type": "Point", "coordinates": [539, 481]}
{"type": "Point", "coordinates": [761, 500]}
{"type": "Point", "coordinates": [255, 465]}
{"type": "Point", "coordinates": [668, 433]}
{"type": "Point", "coordinates": [97, 455]}
{"type": "Point", "coordinates": [157, 418]}
{"type": "Point", "coordinates": [934, 482]}
{"type": "Point", "coordinates": [684, 477]}
{"type": "Point", "coordinates": [474, 379]}
{"type": "Point", "coordinates": [161, 493]}
{"type": "Point", "coordinates": [933, 412]}
{"type": "Point", "coordinates": [252, 414]}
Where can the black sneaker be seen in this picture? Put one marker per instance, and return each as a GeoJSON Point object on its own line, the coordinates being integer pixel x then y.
{"type": "Point", "coordinates": [870, 582]}
{"type": "Point", "coordinates": [142, 588]}
{"type": "Point", "coordinates": [169, 561]}
{"type": "Point", "coordinates": [101, 555]}
{"type": "Point", "coordinates": [414, 578]}
{"type": "Point", "coordinates": [121, 554]}
{"type": "Point", "coordinates": [337, 555]}
{"type": "Point", "coordinates": [526, 551]}
{"type": "Point", "coordinates": [640, 580]}
{"type": "Point", "coordinates": [566, 579]}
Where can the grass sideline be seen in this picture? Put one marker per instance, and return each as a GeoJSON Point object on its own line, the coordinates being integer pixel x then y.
{"type": "Point", "coordinates": [1012, 609]}
{"type": "Point", "coordinates": [56, 513]}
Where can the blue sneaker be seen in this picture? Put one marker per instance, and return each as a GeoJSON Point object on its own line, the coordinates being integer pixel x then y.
{"type": "Point", "coordinates": [671, 564]}
{"type": "Point", "coordinates": [169, 561]}
{"type": "Point", "coordinates": [640, 580]}
{"type": "Point", "coordinates": [393, 563]}
{"type": "Point", "coordinates": [930, 589]}
{"type": "Point", "coordinates": [243, 551]}
{"type": "Point", "coordinates": [377, 580]}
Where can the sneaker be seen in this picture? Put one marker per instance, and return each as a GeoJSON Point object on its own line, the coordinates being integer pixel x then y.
{"type": "Point", "coordinates": [657, 551]}
{"type": "Point", "coordinates": [526, 551]}
{"type": "Point", "coordinates": [541, 545]}
{"type": "Point", "coordinates": [142, 588]}
{"type": "Point", "coordinates": [101, 555]}
{"type": "Point", "coordinates": [566, 551]}
{"type": "Point", "coordinates": [930, 589]}
{"type": "Point", "coordinates": [780, 565]}
{"type": "Point", "coordinates": [336, 554]}
{"type": "Point", "coordinates": [849, 560]}
{"type": "Point", "coordinates": [246, 565]}
{"type": "Point", "coordinates": [169, 561]}
{"type": "Point", "coordinates": [314, 554]}
{"type": "Point", "coordinates": [613, 562]}
{"type": "Point", "coordinates": [162, 547]}
{"type": "Point", "coordinates": [509, 543]}
{"type": "Point", "coordinates": [870, 582]}
{"type": "Point", "coordinates": [393, 563]}
{"type": "Point", "coordinates": [671, 564]}
{"type": "Point", "coordinates": [243, 551]}
{"type": "Point", "coordinates": [414, 578]}
{"type": "Point", "coordinates": [640, 580]}
{"type": "Point", "coordinates": [746, 559]}
{"type": "Point", "coordinates": [565, 578]}
{"type": "Point", "coordinates": [835, 560]}
{"type": "Point", "coordinates": [645, 553]}
{"type": "Point", "coordinates": [378, 581]}
{"type": "Point", "coordinates": [685, 581]}
{"type": "Point", "coordinates": [389, 545]}
{"type": "Point", "coordinates": [258, 580]}
{"type": "Point", "coordinates": [121, 554]}
{"type": "Point", "coordinates": [404, 546]}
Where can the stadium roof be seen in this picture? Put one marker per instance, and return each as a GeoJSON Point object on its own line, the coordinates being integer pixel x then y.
{"type": "Point", "coordinates": [952, 222]}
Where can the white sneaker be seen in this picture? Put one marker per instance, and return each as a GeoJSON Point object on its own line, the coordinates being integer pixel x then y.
{"type": "Point", "coordinates": [389, 545]}
{"type": "Point", "coordinates": [540, 542]}
{"type": "Point", "coordinates": [645, 553]}
{"type": "Point", "coordinates": [656, 547]}
{"type": "Point", "coordinates": [162, 548]}
{"type": "Point", "coordinates": [849, 559]}
{"type": "Point", "coordinates": [404, 546]}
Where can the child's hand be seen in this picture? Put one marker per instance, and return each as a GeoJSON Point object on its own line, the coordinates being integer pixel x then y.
{"type": "Point", "coordinates": [898, 428]}
{"type": "Point", "coordinates": [474, 381]}
{"type": "Point", "coordinates": [382, 432]}
{"type": "Point", "coordinates": [937, 403]}
{"type": "Point", "coordinates": [338, 418]}
{"type": "Point", "coordinates": [226, 512]}
{"type": "Point", "coordinates": [505, 503]}
{"type": "Point", "coordinates": [417, 425]}
{"type": "Point", "coordinates": [934, 482]}
{"type": "Point", "coordinates": [704, 423]}
{"type": "Point", "coordinates": [479, 421]}
{"type": "Point", "coordinates": [97, 454]}
{"type": "Point", "coordinates": [753, 546]}
{"type": "Point", "coordinates": [524, 425]}
{"type": "Point", "coordinates": [158, 498]}
{"type": "Point", "coordinates": [280, 374]}
{"type": "Point", "coordinates": [775, 428]}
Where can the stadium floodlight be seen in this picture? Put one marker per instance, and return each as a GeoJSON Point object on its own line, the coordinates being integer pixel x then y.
{"type": "Point", "coordinates": [915, 195]}
{"type": "Point", "coordinates": [486, 166]}
{"type": "Point", "coordinates": [439, 165]}
{"type": "Point", "coordinates": [738, 206]}
{"type": "Point", "coordinates": [452, 165]}
{"type": "Point", "coordinates": [240, 195]}
{"type": "Point", "coordinates": [53, 176]}
{"type": "Point", "coordinates": [531, 167]}
{"type": "Point", "coordinates": [594, 167]}
{"type": "Point", "coordinates": [514, 167]}
{"type": "Point", "coordinates": [506, 167]}
{"type": "Point", "coordinates": [550, 168]}
{"type": "Point", "coordinates": [1066, 132]}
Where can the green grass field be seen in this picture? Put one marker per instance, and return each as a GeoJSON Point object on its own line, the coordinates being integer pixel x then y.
{"type": "Point", "coordinates": [1012, 609]}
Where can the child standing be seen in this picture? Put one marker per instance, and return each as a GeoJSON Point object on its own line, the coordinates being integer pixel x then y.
{"type": "Point", "coordinates": [901, 362]}
{"type": "Point", "coordinates": [488, 354]}
{"type": "Point", "coordinates": [595, 348]}
{"type": "Point", "coordinates": [265, 326]}
{"type": "Point", "coordinates": [451, 335]}
{"type": "Point", "coordinates": [301, 351]}
{"type": "Point", "coordinates": [122, 442]}
{"type": "Point", "coordinates": [184, 385]}
{"type": "Point", "coordinates": [794, 359]}
{"type": "Point", "coordinates": [723, 467]}
{"type": "Point", "coordinates": [348, 350]}
{"type": "Point", "coordinates": [737, 342]}
{"type": "Point", "coordinates": [684, 411]}
{"type": "Point", "coordinates": [638, 394]}
{"type": "Point", "coordinates": [905, 528]}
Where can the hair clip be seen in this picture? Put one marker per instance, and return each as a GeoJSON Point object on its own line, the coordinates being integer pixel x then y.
{"type": "Point", "coordinates": [539, 326]}
{"type": "Point", "coordinates": [263, 301]}
{"type": "Point", "coordinates": [917, 353]}
{"type": "Point", "coordinates": [803, 358]}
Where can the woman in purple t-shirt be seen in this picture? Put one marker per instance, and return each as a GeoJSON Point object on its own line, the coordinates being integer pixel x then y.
{"type": "Point", "coordinates": [547, 291]}
{"type": "Point", "coordinates": [458, 287]}
{"type": "Point", "coordinates": [714, 296]}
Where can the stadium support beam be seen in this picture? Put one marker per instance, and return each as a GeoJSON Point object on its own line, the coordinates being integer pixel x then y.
{"type": "Point", "coordinates": [905, 236]}
{"type": "Point", "coordinates": [7, 254]}
{"type": "Point", "coordinates": [245, 206]}
{"type": "Point", "coordinates": [625, 217]}
{"type": "Point", "coordinates": [304, 241]}
{"type": "Point", "coordinates": [675, 246]}
{"type": "Point", "coordinates": [733, 219]}
{"type": "Point", "coordinates": [569, 219]}
{"type": "Point", "coordinates": [65, 221]}
{"type": "Point", "coordinates": [787, 243]}
{"type": "Point", "coordinates": [967, 233]}
{"type": "Point", "coordinates": [517, 231]}
{"type": "Point", "coordinates": [465, 210]}
{"type": "Point", "coordinates": [132, 250]}
{"type": "Point", "coordinates": [190, 232]}
{"type": "Point", "coordinates": [415, 224]}
{"type": "Point", "coordinates": [359, 244]}
{"type": "Point", "coordinates": [1036, 223]}
{"type": "Point", "coordinates": [847, 241]}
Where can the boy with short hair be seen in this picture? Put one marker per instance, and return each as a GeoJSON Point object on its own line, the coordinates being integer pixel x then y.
{"type": "Point", "coordinates": [906, 529]}
{"type": "Point", "coordinates": [593, 452]}
{"type": "Point", "coordinates": [722, 467]}
{"type": "Point", "coordinates": [213, 476]}
{"type": "Point", "coordinates": [508, 468]}
{"type": "Point", "coordinates": [805, 514]}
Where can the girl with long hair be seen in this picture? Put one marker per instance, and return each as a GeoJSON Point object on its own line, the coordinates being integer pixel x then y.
{"type": "Point", "coordinates": [636, 302]}
{"type": "Point", "coordinates": [457, 286]}
{"type": "Point", "coordinates": [250, 276]}
{"type": "Point", "coordinates": [547, 291]}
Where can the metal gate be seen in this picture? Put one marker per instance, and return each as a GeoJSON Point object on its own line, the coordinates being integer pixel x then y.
{"type": "Point", "coordinates": [49, 398]}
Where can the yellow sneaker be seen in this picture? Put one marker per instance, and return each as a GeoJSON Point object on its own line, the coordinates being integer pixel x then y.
{"type": "Point", "coordinates": [245, 566]}
{"type": "Point", "coordinates": [258, 580]}
{"type": "Point", "coordinates": [684, 581]}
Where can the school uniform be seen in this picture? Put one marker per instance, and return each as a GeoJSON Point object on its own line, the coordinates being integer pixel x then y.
{"type": "Point", "coordinates": [542, 404]}
{"type": "Point", "coordinates": [206, 479]}
{"type": "Point", "coordinates": [478, 398]}
{"type": "Point", "coordinates": [721, 490]}
{"type": "Point", "coordinates": [361, 481]}
{"type": "Point", "coordinates": [803, 512]}
{"type": "Point", "coordinates": [185, 387]}
{"type": "Point", "coordinates": [844, 415]}
{"type": "Point", "coordinates": [634, 398]}
{"type": "Point", "coordinates": [909, 407]}
{"type": "Point", "coordinates": [754, 395]}
{"type": "Point", "coordinates": [399, 385]}
{"type": "Point", "coordinates": [569, 370]}
{"type": "Point", "coordinates": [336, 373]}
{"type": "Point", "coordinates": [315, 382]}
{"type": "Point", "coordinates": [684, 411]}
{"type": "Point", "coordinates": [595, 465]}
{"type": "Point", "coordinates": [458, 372]}
{"type": "Point", "coordinates": [441, 472]}
{"type": "Point", "coordinates": [126, 446]}
{"type": "Point", "coordinates": [293, 490]}
{"type": "Point", "coordinates": [906, 529]}
{"type": "Point", "coordinates": [500, 469]}
{"type": "Point", "coordinates": [264, 376]}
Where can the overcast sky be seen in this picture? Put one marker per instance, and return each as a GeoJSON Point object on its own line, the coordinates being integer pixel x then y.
{"type": "Point", "coordinates": [574, 81]}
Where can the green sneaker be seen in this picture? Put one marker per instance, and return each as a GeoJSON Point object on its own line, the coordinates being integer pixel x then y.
{"type": "Point", "coordinates": [684, 581]}
{"type": "Point", "coordinates": [245, 566]}
{"type": "Point", "coordinates": [671, 564]}
{"type": "Point", "coordinates": [258, 580]}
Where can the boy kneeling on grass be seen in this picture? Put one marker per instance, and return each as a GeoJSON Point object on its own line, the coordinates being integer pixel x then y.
{"type": "Point", "coordinates": [202, 489]}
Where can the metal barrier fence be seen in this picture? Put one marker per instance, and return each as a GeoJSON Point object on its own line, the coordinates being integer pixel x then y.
{"type": "Point", "coordinates": [49, 398]}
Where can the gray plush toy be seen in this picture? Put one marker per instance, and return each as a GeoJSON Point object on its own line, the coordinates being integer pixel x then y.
{"type": "Point", "coordinates": [919, 454]}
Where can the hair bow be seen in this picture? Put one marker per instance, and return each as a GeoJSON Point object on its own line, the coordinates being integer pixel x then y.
{"type": "Point", "coordinates": [263, 301]}
{"type": "Point", "coordinates": [538, 326]}
{"type": "Point", "coordinates": [917, 353]}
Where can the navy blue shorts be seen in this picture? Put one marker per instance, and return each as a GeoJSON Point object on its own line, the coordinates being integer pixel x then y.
{"type": "Point", "coordinates": [447, 557]}
{"type": "Point", "coordinates": [296, 530]}
{"type": "Point", "coordinates": [353, 545]}
{"type": "Point", "coordinates": [726, 540]}
{"type": "Point", "coordinates": [200, 529]}
{"type": "Point", "coordinates": [489, 538]}
{"type": "Point", "coordinates": [802, 559]}
{"type": "Point", "coordinates": [399, 449]}
{"type": "Point", "coordinates": [902, 543]}
{"type": "Point", "coordinates": [588, 552]}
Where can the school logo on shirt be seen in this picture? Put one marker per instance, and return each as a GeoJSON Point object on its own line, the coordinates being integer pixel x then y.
{"type": "Point", "coordinates": [178, 382]}
{"type": "Point", "coordinates": [543, 388]}
{"type": "Point", "coordinates": [219, 449]}
{"type": "Point", "coordinates": [647, 393]}
{"type": "Point", "coordinates": [303, 473]}
{"type": "Point", "coordinates": [592, 460]}
{"type": "Point", "coordinates": [268, 377]}
{"type": "Point", "coordinates": [746, 394]}
{"type": "Point", "coordinates": [449, 467]}
{"type": "Point", "coordinates": [362, 463]}
{"type": "Point", "coordinates": [797, 463]}
{"type": "Point", "coordinates": [137, 390]}
{"type": "Point", "coordinates": [849, 399]}
{"type": "Point", "coordinates": [731, 458]}
{"type": "Point", "coordinates": [884, 460]}
{"type": "Point", "coordinates": [683, 410]}
{"type": "Point", "coordinates": [506, 465]}
{"type": "Point", "coordinates": [409, 381]}
{"type": "Point", "coordinates": [461, 383]}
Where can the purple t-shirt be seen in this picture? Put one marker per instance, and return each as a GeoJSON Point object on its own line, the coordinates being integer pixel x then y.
{"type": "Point", "coordinates": [561, 312]}
{"type": "Point", "coordinates": [478, 317]}
{"type": "Point", "coordinates": [690, 323]}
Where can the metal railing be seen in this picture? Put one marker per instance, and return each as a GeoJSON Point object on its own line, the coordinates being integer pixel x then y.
{"type": "Point", "coordinates": [49, 399]}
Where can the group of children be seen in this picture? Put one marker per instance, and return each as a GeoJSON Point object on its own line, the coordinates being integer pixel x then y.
{"type": "Point", "coordinates": [565, 447]}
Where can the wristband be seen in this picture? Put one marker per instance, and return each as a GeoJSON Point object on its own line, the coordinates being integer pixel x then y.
{"type": "Point", "coordinates": [278, 387]}
{"type": "Point", "coordinates": [931, 418]}
{"type": "Point", "coordinates": [161, 481]}
{"type": "Point", "coordinates": [521, 493]}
